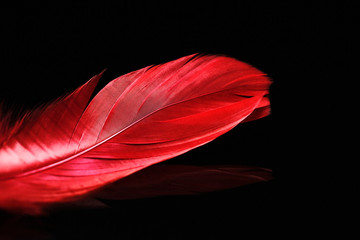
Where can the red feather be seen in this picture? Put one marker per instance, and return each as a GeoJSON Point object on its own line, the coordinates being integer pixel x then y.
{"type": "Point", "coordinates": [72, 147]}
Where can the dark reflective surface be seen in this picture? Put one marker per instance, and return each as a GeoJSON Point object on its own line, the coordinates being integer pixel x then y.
{"type": "Point", "coordinates": [49, 51]}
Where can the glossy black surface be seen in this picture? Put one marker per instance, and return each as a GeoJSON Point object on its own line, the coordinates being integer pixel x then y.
{"type": "Point", "coordinates": [49, 51]}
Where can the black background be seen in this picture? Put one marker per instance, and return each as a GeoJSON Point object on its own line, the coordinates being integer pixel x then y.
{"type": "Point", "coordinates": [50, 50]}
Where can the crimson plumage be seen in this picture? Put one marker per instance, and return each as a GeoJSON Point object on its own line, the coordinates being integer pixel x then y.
{"type": "Point", "coordinates": [75, 146]}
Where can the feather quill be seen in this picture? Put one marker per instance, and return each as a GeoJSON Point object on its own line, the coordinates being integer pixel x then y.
{"type": "Point", "coordinates": [74, 146]}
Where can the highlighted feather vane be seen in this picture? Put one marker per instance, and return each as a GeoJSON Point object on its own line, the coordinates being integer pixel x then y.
{"type": "Point", "coordinates": [75, 146]}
